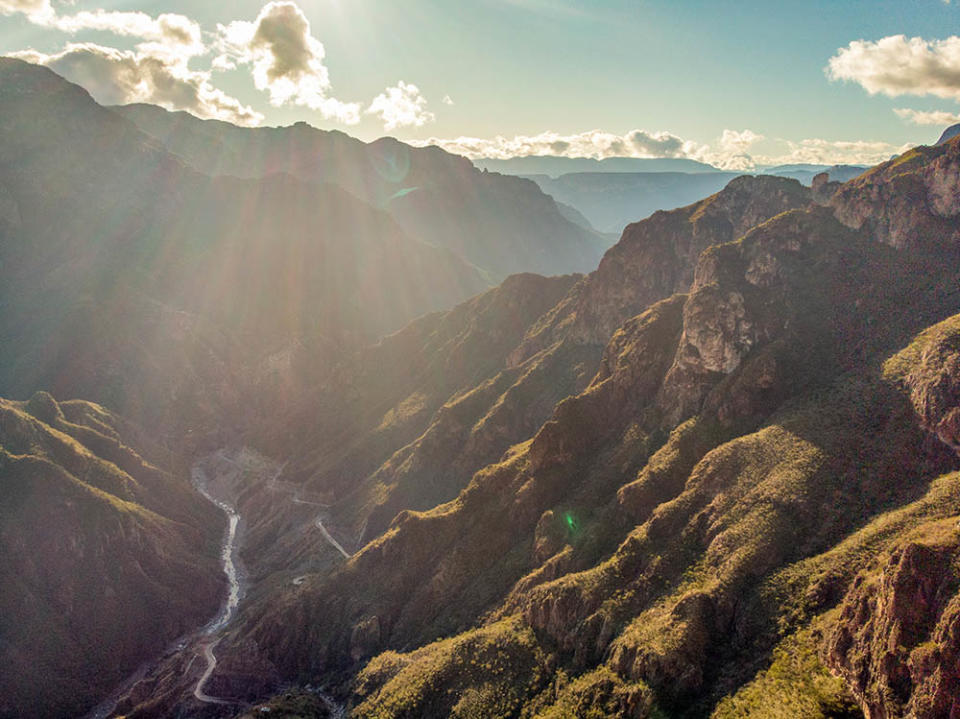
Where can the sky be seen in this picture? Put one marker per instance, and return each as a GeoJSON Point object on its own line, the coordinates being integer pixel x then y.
{"type": "Point", "coordinates": [739, 84]}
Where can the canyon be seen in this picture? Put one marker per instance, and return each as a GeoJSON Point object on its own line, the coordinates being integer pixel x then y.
{"type": "Point", "coordinates": [334, 459]}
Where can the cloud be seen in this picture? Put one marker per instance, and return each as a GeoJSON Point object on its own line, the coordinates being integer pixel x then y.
{"type": "Point", "coordinates": [734, 141]}
{"type": "Point", "coordinates": [729, 152]}
{"type": "Point", "coordinates": [593, 143]}
{"type": "Point", "coordinates": [898, 65]}
{"type": "Point", "coordinates": [29, 7]}
{"type": "Point", "coordinates": [834, 152]}
{"type": "Point", "coordinates": [156, 71]}
{"type": "Point", "coordinates": [447, 100]}
{"type": "Point", "coordinates": [924, 117]}
{"type": "Point", "coordinates": [173, 35]}
{"type": "Point", "coordinates": [401, 106]}
{"type": "Point", "coordinates": [286, 60]}
{"type": "Point", "coordinates": [118, 77]}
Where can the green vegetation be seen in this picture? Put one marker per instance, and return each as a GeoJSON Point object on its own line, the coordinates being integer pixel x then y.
{"type": "Point", "coordinates": [491, 671]}
{"type": "Point", "coordinates": [796, 685]}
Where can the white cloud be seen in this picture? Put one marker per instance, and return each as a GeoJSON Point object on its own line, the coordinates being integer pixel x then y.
{"type": "Point", "coordinates": [734, 141]}
{"type": "Point", "coordinates": [286, 60]}
{"type": "Point", "coordinates": [175, 36]}
{"type": "Point", "coordinates": [401, 106]}
{"type": "Point", "coordinates": [447, 100]}
{"type": "Point", "coordinates": [155, 71]}
{"type": "Point", "coordinates": [833, 152]}
{"type": "Point", "coordinates": [729, 152]}
{"type": "Point", "coordinates": [927, 117]}
{"type": "Point", "coordinates": [593, 143]}
{"type": "Point", "coordinates": [118, 77]}
{"type": "Point", "coordinates": [35, 8]}
{"type": "Point", "coordinates": [898, 65]}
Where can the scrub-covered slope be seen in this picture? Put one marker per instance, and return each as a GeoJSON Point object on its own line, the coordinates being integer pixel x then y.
{"type": "Point", "coordinates": [104, 556]}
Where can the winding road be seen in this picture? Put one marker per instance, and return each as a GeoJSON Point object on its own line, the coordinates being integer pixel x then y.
{"type": "Point", "coordinates": [206, 638]}
{"type": "Point", "coordinates": [229, 555]}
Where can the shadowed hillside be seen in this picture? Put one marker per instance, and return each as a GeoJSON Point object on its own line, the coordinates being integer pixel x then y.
{"type": "Point", "coordinates": [499, 223]}
{"type": "Point", "coordinates": [104, 556]}
{"type": "Point", "coordinates": [131, 279]}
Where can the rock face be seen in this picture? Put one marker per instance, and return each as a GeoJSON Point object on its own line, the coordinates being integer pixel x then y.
{"type": "Point", "coordinates": [909, 202]}
{"type": "Point", "coordinates": [656, 258]}
{"type": "Point", "coordinates": [930, 369]}
{"type": "Point", "coordinates": [104, 557]}
{"type": "Point", "coordinates": [897, 640]}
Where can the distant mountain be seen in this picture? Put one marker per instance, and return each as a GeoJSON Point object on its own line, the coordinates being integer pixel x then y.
{"type": "Point", "coordinates": [805, 173]}
{"type": "Point", "coordinates": [105, 557]}
{"type": "Point", "coordinates": [129, 278]}
{"type": "Point", "coordinates": [612, 200]}
{"type": "Point", "coordinates": [499, 224]}
{"type": "Point", "coordinates": [553, 166]}
{"type": "Point", "coordinates": [948, 134]}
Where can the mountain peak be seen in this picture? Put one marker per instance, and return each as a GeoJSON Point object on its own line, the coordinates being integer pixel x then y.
{"type": "Point", "coordinates": [950, 133]}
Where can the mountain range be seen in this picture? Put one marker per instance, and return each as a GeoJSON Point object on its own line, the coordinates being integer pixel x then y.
{"type": "Point", "coordinates": [325, 390]}
{"type": "Point", "coordinates": [500, 224]}
{"type": "Point", "coordinates": [611, 200]}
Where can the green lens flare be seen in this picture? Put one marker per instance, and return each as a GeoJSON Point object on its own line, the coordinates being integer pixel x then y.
{"type": "Point", "coordinates": [570, 520]}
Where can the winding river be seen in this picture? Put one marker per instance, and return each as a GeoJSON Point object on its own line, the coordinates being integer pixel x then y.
{"type": "Point", "coordinates": [205, 639]}
{"type": "Point", "coordinates": [229, 556]}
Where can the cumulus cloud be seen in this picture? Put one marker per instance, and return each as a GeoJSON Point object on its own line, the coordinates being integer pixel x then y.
{"type": "Point", "coordinates": [401, 106]}
{"type": "Point", "coordinates": [170, 34]}
{"type": "Point", "coordinates": [924, 117]}
{"type": "Point", "coordinates": [834, 152]}
{"type": "Point", "coordinates": [898, 65]}
{"type": "Point", "coordinates": [593, 143]}
{"type": "Point", "coordinates": [447, 100]}
{"type": "Point", "coordinates": [286, 60]}
{"type": "Point", "coordinates": [156, 71]}
{"type": "Point", "coordinates": [118, 77]}
{"type": "Point", "coordinates": [29, 7]}
{"type": "Point", "coordinates": [729, 152]}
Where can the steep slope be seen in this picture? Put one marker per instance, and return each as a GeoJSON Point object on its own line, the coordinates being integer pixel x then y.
{"type": "Point", "coordinates": [909, 202]}
{"type": "Point", "coordinates": [656, 257]}
{"type": "Point", "coordinates": [104, 557]}
{"type": "Point", "coordinates": [126, 273]}
{"type": "Point", "coordinates": [371, 441]}
{"type": "Point", "coordinates": [680, 535]}
{"type": "Point", "coordinates": [499, 223]}
{"type": "Point", "coordinates": [407, 423]}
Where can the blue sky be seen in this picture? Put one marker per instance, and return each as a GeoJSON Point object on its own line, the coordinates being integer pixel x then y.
{"type": "Point", "coordinates": [682, 72]}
